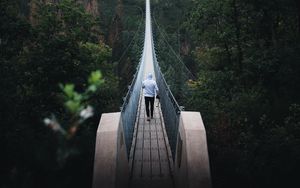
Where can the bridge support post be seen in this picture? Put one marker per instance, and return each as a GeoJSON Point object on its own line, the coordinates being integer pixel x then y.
{"type": "Point", "coordinates": [191, 160]}
{"type": "Point", "coordinates": [110, 164]}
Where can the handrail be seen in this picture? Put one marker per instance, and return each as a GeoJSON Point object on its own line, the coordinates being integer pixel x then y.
{"type": "Point", "coordinates": [171, 114]}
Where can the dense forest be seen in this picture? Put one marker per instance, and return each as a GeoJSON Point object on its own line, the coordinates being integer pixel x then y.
{"type": "Point", "coordinates": [64, 62]}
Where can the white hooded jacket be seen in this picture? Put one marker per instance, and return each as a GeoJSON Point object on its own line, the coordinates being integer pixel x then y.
{"type": "Point", "coordinates": [150, 87]}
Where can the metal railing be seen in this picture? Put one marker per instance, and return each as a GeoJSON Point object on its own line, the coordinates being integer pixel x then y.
{"type": "Point", "coordinates": [131, 102]}
{"type": "Point", "coordinates": [169, 106]}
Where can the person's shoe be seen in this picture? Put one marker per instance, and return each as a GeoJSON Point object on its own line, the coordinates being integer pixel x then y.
{"type": "Point", "coordinates": [148, 119]}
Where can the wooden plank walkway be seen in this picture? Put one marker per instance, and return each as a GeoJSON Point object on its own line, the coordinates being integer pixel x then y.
{"type": "Point", "coordinates": [150, 156]}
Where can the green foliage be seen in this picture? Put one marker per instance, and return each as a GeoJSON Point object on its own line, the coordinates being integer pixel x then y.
{"type": "Point", "coordinates": [248, 78]}
{"type": "Point", "coordinates": [95, 78]}
{"type": "Point", "coordinates": [79, 110]}
{"type": "Point", "coordinates": [61, 45]}
{"type": "Point", "coordinates": [74, 100]}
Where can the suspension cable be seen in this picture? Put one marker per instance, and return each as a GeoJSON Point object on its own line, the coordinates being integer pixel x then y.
{"type": "Point", "coordinates": [164, 36]}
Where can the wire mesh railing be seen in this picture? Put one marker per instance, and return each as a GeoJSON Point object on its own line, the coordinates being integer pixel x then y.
{"type": "Point", "coordinates": [169, 106]}
{"type": "Point", "coordinates": [181, 80]}
{"type": "Point", "coordinates": [170, 109]}
{"type": "Point", "coordinates": [130, 106]}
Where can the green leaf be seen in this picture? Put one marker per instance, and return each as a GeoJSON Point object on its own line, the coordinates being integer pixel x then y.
{"type": "Point", "coordinates": [77, 97]}
{"type": "Point", "coordinates": [68, 89]}
{"type": "Point", "coordinates": [73, 106]}
{"type": "Point", "coordinates": [95, 78]}
{"type": "Point", "coordinates": [92, 88]}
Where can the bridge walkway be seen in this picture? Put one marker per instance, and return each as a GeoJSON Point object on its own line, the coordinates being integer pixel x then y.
{"type": "Point", "coordinates": [150, 157]}
{"type": "Point", "coordinates": [150, 161]}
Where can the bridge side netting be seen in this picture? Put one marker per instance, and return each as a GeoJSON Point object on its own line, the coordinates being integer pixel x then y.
{"type": "Point", "coordinates": [169, 106]}
{"type": "Point", "coordinates": [131, 102]}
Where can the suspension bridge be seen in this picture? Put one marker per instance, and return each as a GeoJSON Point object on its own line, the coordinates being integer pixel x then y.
{"type": "Point", "coordinates": [170, 150]}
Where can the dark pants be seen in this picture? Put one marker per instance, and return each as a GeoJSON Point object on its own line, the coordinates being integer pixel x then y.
{"type": "Point", "coordinates": [151, 101]}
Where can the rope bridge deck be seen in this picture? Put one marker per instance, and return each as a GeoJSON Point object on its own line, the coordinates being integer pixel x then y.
{"type": "Point", "coordinates": [150, 157]}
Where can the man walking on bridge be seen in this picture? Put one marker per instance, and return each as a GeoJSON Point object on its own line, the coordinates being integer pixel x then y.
{"type": "Point", "coordinates": [150, 91]}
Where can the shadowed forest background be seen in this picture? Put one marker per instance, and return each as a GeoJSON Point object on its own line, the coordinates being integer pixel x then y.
{"type": "Point", "coordinates": [60, 58]}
